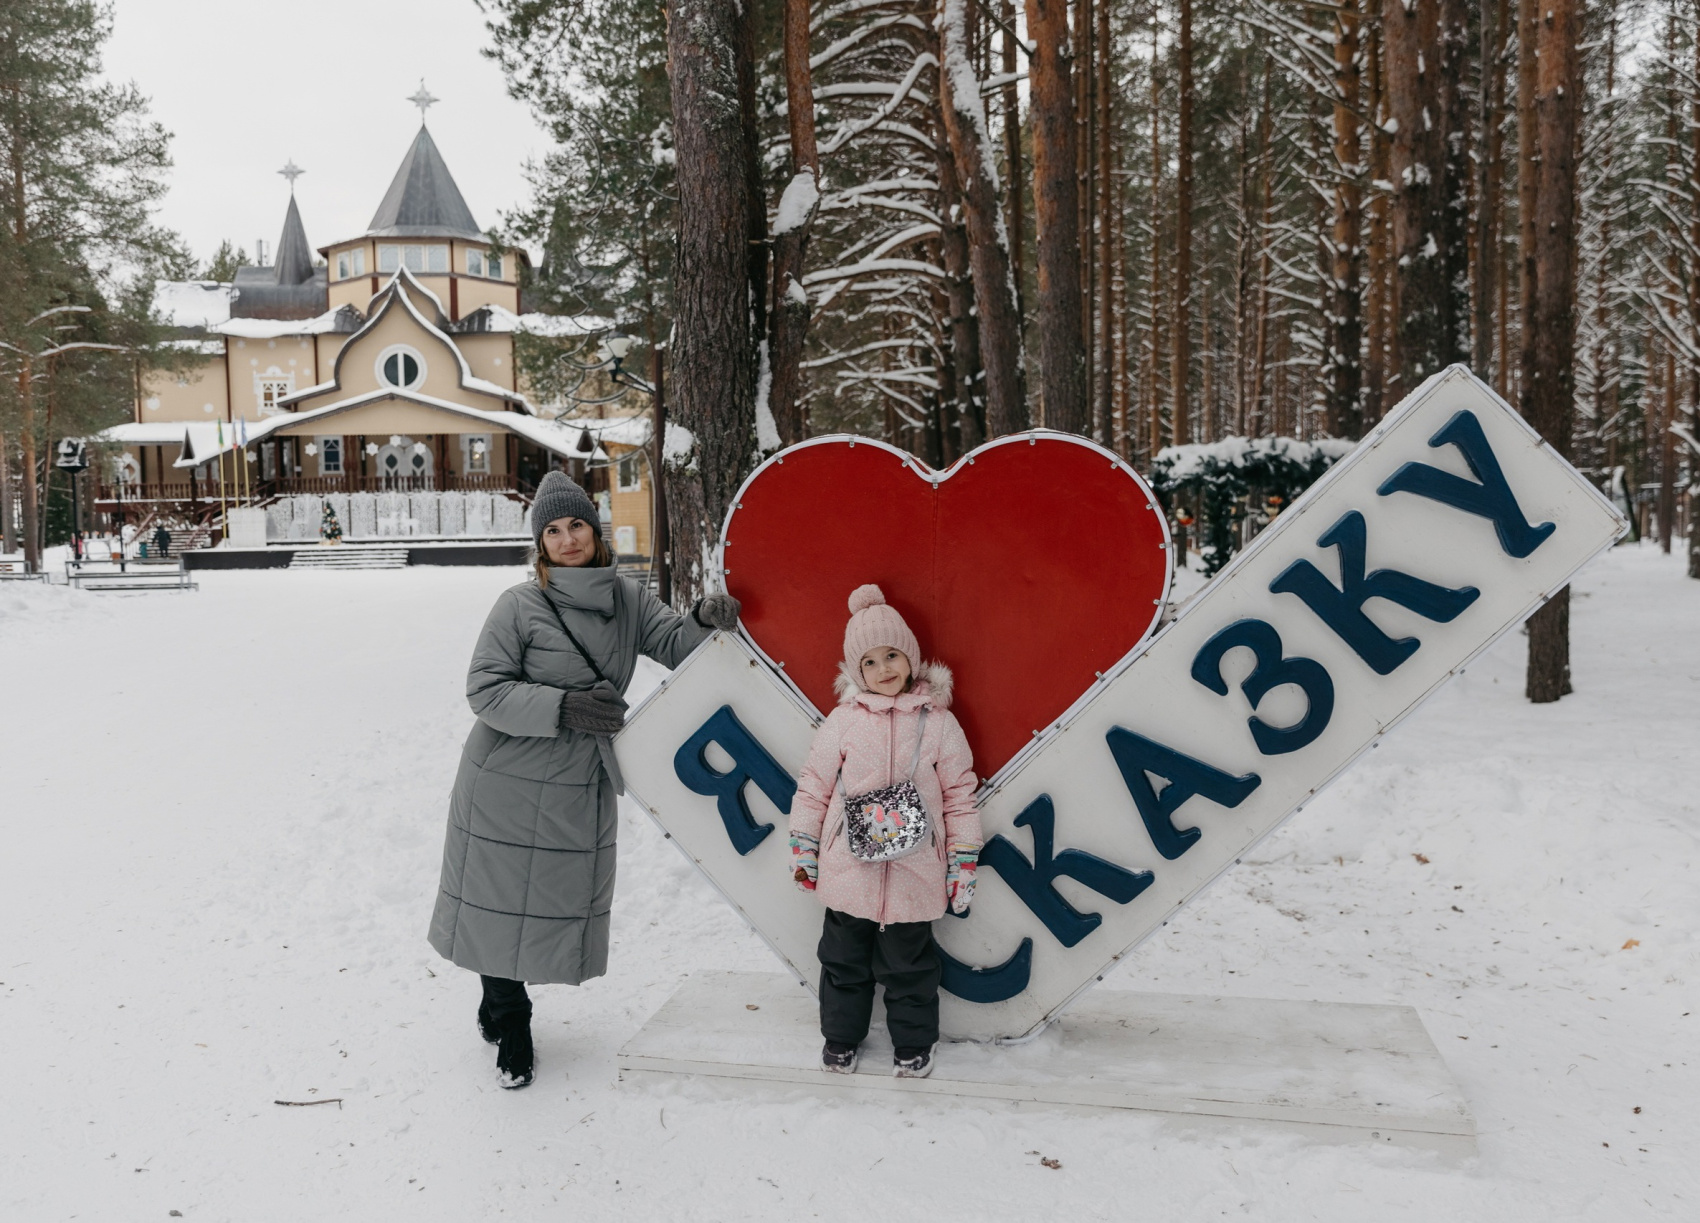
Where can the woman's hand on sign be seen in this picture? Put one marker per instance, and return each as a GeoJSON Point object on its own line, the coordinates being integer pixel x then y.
{"type": "Point", "coordinates": [718, 611]}
{"type": "Point", "coordinates": [805, 860]}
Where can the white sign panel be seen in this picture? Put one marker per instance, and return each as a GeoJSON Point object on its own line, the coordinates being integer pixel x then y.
{"type": "Point", "coordinates": [1446, 527]}
{"type": "Point", "coordinates": [714, 755]}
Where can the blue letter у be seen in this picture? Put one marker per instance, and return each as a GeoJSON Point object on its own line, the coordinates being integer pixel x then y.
{"type": "Point", "coordinates": [751, 763]}
{"type": "Point", "coordinates": [1491, 499]}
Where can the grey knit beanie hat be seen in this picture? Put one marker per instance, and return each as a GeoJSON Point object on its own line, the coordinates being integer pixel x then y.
{"type": "Point", "coordinates": [558, 497]}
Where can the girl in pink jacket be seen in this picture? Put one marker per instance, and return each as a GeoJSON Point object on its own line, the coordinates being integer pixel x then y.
{"type": "Point", "coordinates": [893, 724]}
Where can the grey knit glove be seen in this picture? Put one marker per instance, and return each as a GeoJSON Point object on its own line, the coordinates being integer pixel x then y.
{"type": "Point", "coordinates": [598, 711]}
{"type": "Point", "coordinates": [718, 611]}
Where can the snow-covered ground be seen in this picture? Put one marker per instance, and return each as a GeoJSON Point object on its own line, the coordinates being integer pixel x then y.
{"type": "Point", "coordinates": [221, 813]}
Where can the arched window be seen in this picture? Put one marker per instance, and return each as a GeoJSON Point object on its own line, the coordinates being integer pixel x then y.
{"type": "Point", "coordinates": [400, 366]}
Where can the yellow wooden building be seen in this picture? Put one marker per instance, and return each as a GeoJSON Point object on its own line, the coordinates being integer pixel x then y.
{"type": "Point", "coordinates": [384, 367]}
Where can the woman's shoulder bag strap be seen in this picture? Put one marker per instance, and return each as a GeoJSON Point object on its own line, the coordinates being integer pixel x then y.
{"type": "Point", "coordinates": [577, 644]}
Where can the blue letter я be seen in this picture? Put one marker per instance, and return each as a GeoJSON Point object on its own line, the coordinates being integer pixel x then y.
{"type": "Point", "coordinates": [751, 762]}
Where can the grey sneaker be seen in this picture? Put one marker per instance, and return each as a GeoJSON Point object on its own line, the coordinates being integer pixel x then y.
{"type": "Point", "coordinates": [912, 1063]}
{"type": "Point", "coordinates": [840, 1059]}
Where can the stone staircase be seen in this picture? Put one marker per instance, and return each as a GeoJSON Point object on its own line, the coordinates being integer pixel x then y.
{"type": "Point", "coordinates": [349, 556]}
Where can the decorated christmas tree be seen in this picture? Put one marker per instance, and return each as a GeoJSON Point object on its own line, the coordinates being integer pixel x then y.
{"type": "Point", "coordinates": [330, 530]}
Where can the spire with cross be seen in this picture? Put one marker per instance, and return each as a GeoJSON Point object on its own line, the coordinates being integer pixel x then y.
{"type": "Point", "coordinates": [423, 100]}
{"type": "Point", "coordinates": [291, 171]}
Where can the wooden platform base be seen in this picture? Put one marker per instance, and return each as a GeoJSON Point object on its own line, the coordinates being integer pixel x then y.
{"type": "Point", "coordinates": [1339, 1072]}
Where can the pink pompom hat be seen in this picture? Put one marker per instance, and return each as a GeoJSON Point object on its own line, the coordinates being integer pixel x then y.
{"type": "Point", "coordinates": [873, 623]}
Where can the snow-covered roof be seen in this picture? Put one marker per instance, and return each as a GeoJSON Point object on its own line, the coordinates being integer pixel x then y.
{"type": "Point", "coordinates": [272, 328]}
{"type": "Point", "coordinates": [620, 431]}
{"type": "Point", "coordinates": [206, 348]}
{"type": "Point", "coordinates": [193, 303]}
{"type": "Point", "coordinates": [207, 438]}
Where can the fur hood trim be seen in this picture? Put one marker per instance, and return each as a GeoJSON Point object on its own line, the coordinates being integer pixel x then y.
{"type": "Point", "coordinates": [933, 686]}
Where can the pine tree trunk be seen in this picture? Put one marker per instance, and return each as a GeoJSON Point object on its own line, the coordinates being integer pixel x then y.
{"type": "Point", "coordinates": [1456, 135]}
{"type": "Point", "coordinates": [1015, 188]}
{"type": "Point", "coordinates": [1380, 236]}
{"type": "Point", "coordinates": [1694, 320]}
{"type": "Point", "coordinates": [988, 249]}
{"type": "Point", "coordinates": [1106, 244]}
{"type": "Point", "coordinates": [1345, 395]}
{"type": "Point", "coordinates": [1549, 323]}
{"type": "Point", "coordinates": [714, 349]}
{"type": "Point", "coordinates": [967, 374]}
{"type": "Point", "coordinates": [1085, 148]}
{"type": "Point", "coordinates": [1266, 197]}
{"type": "Point", "coordinates": [789, 313]}
{"type": "Point", "coordinates": [1179, 375]}
{"type": "Point", "coordinates": [1412, 58]}
{"type": "Point", "coordinates": [1489, 177]}
{"type": "Point", "coordinates": [6, 528]}
{"type": "Point", "coordinates": [1056, 205]}
{"type": "Point", "coordinates": [1154, 398]}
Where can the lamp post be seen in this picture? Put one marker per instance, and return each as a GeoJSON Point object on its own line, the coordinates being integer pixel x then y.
{"type": "Point", "coordinates": [615, 348]}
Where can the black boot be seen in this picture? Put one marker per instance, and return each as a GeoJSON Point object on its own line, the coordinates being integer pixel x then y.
{"type": "Point", "coordinates": [514, 1056]}
{"type": "Point", "coordinates": [487, 1025]}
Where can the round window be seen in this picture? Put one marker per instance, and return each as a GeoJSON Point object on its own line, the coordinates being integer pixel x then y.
{"type": "Point", "coordinates": [400, 366]}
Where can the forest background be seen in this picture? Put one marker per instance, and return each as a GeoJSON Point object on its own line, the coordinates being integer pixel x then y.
{"type": "Point", "coordinates": [1157, 224]}
{"type": "Point", "coordinates": [1160, 224]}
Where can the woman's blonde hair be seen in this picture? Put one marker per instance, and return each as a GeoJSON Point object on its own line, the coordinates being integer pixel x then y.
{"type": "Point", "coordinates": [601, 558]}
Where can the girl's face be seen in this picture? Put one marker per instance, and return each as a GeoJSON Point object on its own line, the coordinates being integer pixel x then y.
{"type": "Point", "coordinates": [885, 670]}
{"type": "Point", "coordinates": [569, 542]}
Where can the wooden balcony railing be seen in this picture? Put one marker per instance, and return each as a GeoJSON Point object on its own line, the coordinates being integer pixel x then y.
{"type": "Point", "coordinates": [482, 483]}
{"type": "Point", "coordinates": [293, 485]}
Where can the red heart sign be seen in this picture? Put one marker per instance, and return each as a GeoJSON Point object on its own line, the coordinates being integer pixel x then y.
{"type": "Point", "coordinates": [1028, 568]}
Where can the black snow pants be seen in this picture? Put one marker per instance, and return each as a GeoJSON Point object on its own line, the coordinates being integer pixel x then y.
{"type": "Point", "coordinates": [504, 999]}
{"type": "Point", "coordinates": [855, 955]}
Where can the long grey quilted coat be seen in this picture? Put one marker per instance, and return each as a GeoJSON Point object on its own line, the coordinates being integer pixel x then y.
{"type": "Point", "coordinates": [528, 867]}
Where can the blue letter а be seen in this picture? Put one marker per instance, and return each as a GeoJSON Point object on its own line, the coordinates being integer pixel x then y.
{"type": "Point", "coordinates": [750, 763]}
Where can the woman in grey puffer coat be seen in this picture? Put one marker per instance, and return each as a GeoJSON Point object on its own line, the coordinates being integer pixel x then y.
{"type": "Point", "coordinates": [528, 867]}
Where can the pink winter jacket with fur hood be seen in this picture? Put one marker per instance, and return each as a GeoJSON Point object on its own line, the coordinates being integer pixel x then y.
{"type": "Point", "coordinates": [872, 738]}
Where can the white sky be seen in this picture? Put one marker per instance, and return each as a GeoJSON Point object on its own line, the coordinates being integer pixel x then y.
{"type": "Point", "coordinates": [246, 85]}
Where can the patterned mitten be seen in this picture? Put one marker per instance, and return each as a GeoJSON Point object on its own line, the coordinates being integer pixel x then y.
{"type": "Point", "coordinates": [959, 876]}
{"type": "Point", "coordinates": [805, 860]}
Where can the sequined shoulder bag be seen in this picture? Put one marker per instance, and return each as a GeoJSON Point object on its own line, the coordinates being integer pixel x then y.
{"type": "Point", "coordinates": [889, 823]}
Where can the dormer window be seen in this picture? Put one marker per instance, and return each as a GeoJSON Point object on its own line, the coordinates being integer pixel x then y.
{"type": "Point", "coordinates": [414, 258]}
{"type": "Point", "coordinates": [401, 367]}
{"type": "Point", "coordinates": [351, 263]}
